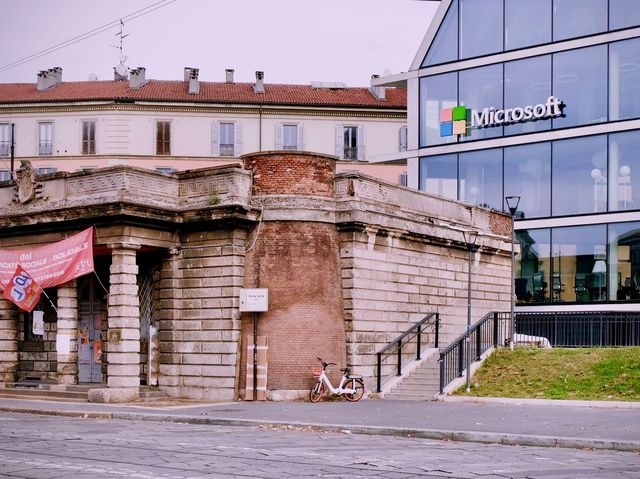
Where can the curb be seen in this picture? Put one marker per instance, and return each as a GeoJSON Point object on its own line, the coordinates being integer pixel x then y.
{"type": "Point", "coordinates": [543, 402]}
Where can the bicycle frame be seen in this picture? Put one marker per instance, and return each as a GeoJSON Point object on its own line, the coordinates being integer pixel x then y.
{"type": "Point", "coordinates": [340, 389]}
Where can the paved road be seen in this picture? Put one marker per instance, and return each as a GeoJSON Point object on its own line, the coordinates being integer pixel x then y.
{"type": "Point", "coordinates": [37, 447]}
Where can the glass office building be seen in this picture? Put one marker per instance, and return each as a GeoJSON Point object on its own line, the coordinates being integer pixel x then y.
{"type": "Point", "coordinates": [540, 99]}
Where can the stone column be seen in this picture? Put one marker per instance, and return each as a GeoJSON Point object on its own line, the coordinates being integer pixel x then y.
{"type": "Point", "coordinates": [67, 333]}
{"type": "Point", "coordinates": [8, 341]}
{"type": "Point", "coordinates": [123, 354]}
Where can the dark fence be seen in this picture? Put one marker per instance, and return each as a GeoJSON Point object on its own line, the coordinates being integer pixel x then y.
{"type": "Point", "coordinates": [582, 329]}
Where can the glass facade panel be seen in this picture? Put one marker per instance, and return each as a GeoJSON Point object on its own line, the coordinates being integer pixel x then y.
{"type": "Point", "coordinates": [533, 266]}
{"type": "Point", "coordinates": [436, 93]}
{"type": "Point", "coordinates": [445, 45]}
{"type": "Point", "coordinates": [482, 88]}
{"type": "Point", "coordinates": [579, 264]}
{"type": "Point", "coordinates": [623, 14]}
{"type": "Point", "coordinates": [575, 18]}
{"type": "Point", "coordinates": [580, 82]}
{"type": "Point", "coordinates": [520, 31]}
{"type": "Point", "coordinates": [624, 78]}
{"type": "Point", "coordinates": [579, 172]}
{"type": "Point", "coordinates": [624, 168]}
{"type": "Point", "coordinates": [481, 27]}
{"type": "Point", "coordinates": [527, 173]}
{"type": "Point", "coordinates": [439, 175]}
{"type": "Point", "coordinates": [527, 82]}
{"type": "Point", "coordinates": [624, 261]}
{"type": "Point", "coordinates": [481, 178]}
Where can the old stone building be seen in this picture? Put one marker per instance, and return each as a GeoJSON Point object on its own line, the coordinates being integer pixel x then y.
{"type": "Point", "coordinates": [349, 261]}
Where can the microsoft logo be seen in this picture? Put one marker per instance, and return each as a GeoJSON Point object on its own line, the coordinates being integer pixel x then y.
{"type": "Point", "coordinates": [453, 121]}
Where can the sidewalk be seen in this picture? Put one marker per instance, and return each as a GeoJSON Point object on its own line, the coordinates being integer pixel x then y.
{"type": "Point", "coordinates": [537, 423]}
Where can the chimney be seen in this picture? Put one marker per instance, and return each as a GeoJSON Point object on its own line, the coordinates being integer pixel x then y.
{"type": "Point", "coordinates": [229, 75]}
{"type": "Point", "coordinates": [258, 86]}
{"type": "Point", "coordinates": [194, 84]}
{"type": "Point", "coordinates": [137, 77]}
{"type": "Point", "coordinates": [49, 78]}
{"type": "Point", "coordinates": [377, 91]}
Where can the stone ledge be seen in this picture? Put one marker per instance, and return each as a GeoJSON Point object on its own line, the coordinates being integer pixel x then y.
{"type": "Point", "coordinates": [113, 395]}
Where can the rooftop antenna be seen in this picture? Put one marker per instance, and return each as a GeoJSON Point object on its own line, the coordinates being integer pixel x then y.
{"type": "Point", "coordinates": [120, 71]}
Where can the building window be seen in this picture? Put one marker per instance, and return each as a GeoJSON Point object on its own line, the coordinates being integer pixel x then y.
{"type": "Point", "coordinates": [5, 139]}
{"type": "Point", "coordinates": [527, 173]}
{"type": "Point", "coordinates": [533, 266]}
{"type": "Point", "coordinates": [289, 137]}
{"type": "Point", "coordinates": [163, 137]}
{"type": "Point", "coordinates": [439, 175]}
{"type": "Point", "coordinates": [576, 18]}
{"type": "Point", "coordinates": [404, 138]}
{"type": "Point", "coordinates": [165, 170]}
{"type": "Point", "coordinates": [623, 14]}
{"type": "Point", "coordinates": [480, 88]}
{"type": "Point", "coordinates": [227, 139]}
{"type": "Point", "coordinates": [481, 178]}
{"type": "Point", "coordinates": [624, 170]}
{"type": "Point", "coordinates": [89, 137]}
{"type": "Point", "coordinates": [444, 47]}
{"type": "Point", "coordinates": [45, 138]}
{"type": "Point", "coordinates": [520, 31]}
{"type": "Point", "coordinates": [437, 93]}
{"type": "Point", "coordinates": [481, 27]}
{"type": "Point", "coordinates": [350, 135]}
{"type": "Point", "coordinates": [624, 78]}
{"type": "Point", "coordinates": [5, 175]}
{"type": "Point", "coordinates": [86, 169]}
{"type": "Point", "coordinates": [624, 260]}
{"type": "Point", "coordinates": [45, 170]}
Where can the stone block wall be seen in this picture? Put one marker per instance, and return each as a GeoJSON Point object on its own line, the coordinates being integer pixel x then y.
{"type": "Point", "coordinates": [37, 359]}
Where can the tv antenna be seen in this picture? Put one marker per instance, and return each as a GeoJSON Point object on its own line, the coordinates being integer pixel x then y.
{"type": "Point", "coordinates": [121, 68]}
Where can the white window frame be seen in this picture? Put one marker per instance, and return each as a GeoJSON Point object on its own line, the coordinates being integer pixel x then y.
{"type": "Point", "coordinates": [229, 149]}
{"type": "Point", "coordinates": [360, 143]}
{"type": "Point", "coordinates": [45, 147]}
{"type": "Point", "coordinates": [280, 136]}
{"type": "Point", "coordinates": [5, 143]}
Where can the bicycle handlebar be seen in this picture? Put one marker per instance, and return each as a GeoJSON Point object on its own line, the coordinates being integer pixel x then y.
{"type": "Point", "coordinates": [324, 365]}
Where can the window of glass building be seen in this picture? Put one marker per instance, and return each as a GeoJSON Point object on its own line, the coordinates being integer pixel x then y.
{"type": "Point", "coordinates": [527, 82]}
{"type": "Point", "coordinates": [527, 173]}
{"type": "Point", "coordinates": [520, 31]}
{"type": "Point", "coordinates": [437, 92]}
{"type": "Point", "coordinates": [481, 27]}
{"type": "Point", "coordinates": [579, 264]}
{"type": "Point", "coordinates": [481, 178]}
{"type": "Point", "coordinates": [533, 266]}
{"type": "Point", "coordinates": [624, 78]}
{"type": "Point", "coordinates": [576, 18]}
{"type": "Point", "coordinates": [579, 172]}
{"type": "Point", "coordinates": [580, 81]}
{"type": "Point", "coordinates": [481, 88]}
{"type": "Point", "coordinates": [444, 47]}
{"type": "Point", "coordinates": [623, 14]}
{"type": "Point", "coordinates": [624, 261]}
{"type": "Point", "coordinates": [624, 168]}
{"type": "Point", "coordinates": [439, 175]}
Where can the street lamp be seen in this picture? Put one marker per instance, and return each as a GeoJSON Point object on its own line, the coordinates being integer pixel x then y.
{"type": "Point", "coordinates": [512, 204]}
{"type": "Point", "coordinates": [470, 238]}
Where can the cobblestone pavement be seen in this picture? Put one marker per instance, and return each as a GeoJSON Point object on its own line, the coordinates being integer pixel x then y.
{"type": "Point", "coordinates": [72, 448]}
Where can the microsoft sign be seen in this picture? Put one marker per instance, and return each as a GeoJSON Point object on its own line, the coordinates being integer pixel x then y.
{"type": "Point", "coordinates": [458, 120]}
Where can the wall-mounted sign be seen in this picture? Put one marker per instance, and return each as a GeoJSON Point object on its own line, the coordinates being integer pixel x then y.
{"type": "Point", "coordinates": [460, 119]}
{"type": "Point", "coordinates": [254, 300]}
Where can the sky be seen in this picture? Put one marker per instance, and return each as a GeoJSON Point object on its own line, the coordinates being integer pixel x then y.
{"type": "Point", "coordinates": [292, 41]}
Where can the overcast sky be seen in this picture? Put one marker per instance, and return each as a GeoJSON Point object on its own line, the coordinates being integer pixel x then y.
{"type": "Point", "coordinates": [292, 41]}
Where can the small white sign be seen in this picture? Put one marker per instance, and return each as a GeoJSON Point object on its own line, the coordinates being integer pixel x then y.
{"type": "Point", "coordinates": [38, 323]}
{"type": "Point", "coordinates": [254, 300]}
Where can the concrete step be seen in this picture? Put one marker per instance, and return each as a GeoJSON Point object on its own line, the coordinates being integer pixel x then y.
{"type": "Point", "coordinates": [411, 397]}
{"type": "Point", "coordinates": [414, 388]}
{"type": "Point", "coordinates": [67, 392]}
{"type": "Point", "coordinates": [36, 393]}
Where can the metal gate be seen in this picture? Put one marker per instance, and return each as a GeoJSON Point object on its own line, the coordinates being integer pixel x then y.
{"type": "Point", "coordinates": [91, 320]}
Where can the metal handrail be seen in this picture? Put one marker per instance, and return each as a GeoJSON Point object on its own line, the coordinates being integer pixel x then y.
{"type": "Point", "coordinates": [415, 330]}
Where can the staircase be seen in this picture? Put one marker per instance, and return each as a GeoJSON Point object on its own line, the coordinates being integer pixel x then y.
{"type": "Point", "coordinates": [65, 392]}
{"type": "Point", "coordinates": [422, 383]}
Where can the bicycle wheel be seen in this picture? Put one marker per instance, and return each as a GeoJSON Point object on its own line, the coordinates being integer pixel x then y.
{"type": "Point", "coordinates": [356, 384]}
{"type": "Point", "coordinates": [316, 392]}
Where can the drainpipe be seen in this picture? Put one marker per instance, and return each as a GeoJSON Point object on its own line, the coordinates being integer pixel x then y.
{"type": "Point", "coordinates": [260, 129]}
{"type": "Point", "coordinates": [13, 147]}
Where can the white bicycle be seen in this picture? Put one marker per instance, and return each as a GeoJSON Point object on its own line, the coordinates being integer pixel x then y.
{"type": "Point", "coordinates": [351, 386]}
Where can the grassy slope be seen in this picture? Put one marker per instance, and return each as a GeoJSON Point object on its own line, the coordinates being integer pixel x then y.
{"type": "Point", "coordinates": [596, 374]}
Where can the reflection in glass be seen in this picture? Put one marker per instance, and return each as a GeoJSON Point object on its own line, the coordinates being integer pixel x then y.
{"type": "Point", "coordinates": [527, 82]}
{"type": "Point", "coordinates": [444, 47]}
{"type": "Point", "coordinates": [533, 266]}
{"type": "Point", "coordinates": [624, 165]}
{"type": "Point", "coordinates": [575, 18]}
{"type": "Point", "coordinates": [520, 30]}
{"type": "Point", "coordinates": [623, 14]}
{"type": "Point", "coordinates": [482, 88]}
{"type": "Point", "coordinates": [481, 178]}
{"type": "Point", "coordinates": [436, 93]}
{"type": "Point", "coordinates": [624, 78]}
{"type": "Point", "coordinates": [579, 264]}
{"type": "Point", "coordinates": [579, 172]}
{"type": "Point", "coordinates": [439, 175]}
{"type": "Point", "coordinates": [480, 27]}
{"type": "Point", "coordinates": [580, 82]}
{"type": "Point", "coordinates": [624, 260]}
{"type": "Point", "coordinates": [527, 173]}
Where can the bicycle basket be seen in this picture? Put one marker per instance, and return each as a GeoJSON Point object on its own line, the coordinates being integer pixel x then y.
{"type": "Point", "coordinates": [316, 371]}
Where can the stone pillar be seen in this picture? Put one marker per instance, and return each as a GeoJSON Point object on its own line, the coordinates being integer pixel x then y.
{"type": "Point", "coordinates": [123, 355]}
{"type": "Point", "coordinates": [67, 332]}
{"type": "Point", "coordinates": [8, 341]}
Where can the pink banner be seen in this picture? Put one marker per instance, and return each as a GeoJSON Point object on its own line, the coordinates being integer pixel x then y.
{"type": "Point", "coordinates": [23, 291]}
{"type": "Point", "coordinates": [51, 264]}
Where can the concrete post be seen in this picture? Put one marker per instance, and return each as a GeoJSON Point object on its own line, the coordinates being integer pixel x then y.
{"type": "Point", "coordinates": [8, 342]}
{"type": "Point", "coordinates": [68, 326]}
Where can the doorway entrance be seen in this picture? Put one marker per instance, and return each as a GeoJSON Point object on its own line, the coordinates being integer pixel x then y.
{"type": "Point", "coordinates": [92, 314]}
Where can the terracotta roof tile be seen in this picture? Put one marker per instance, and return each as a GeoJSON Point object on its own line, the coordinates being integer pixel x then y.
{"type": "Point", "coordinates": [177, 91]}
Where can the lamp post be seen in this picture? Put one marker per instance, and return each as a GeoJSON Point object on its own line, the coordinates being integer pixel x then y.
{"type": "Point", "coordinates": [512, 204]}
{"type": "Point", "coordinates": [470, 238]}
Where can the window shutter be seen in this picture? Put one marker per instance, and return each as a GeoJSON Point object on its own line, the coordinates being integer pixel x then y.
{"type": "Point", "coordinates": [278, 145]}
{"type": "Point", "coordinates": [301, 137]}
{"type": "Point", "coordinates": [360, 142]}
{"type": "Point", "coordinates": [403, 138]}
{"type": "Point", "coordinates": [215, 143]}
{"type": "Point", "coordinates": [237, 140]}
{"type": "Point", "coordinates": [339, 141]}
